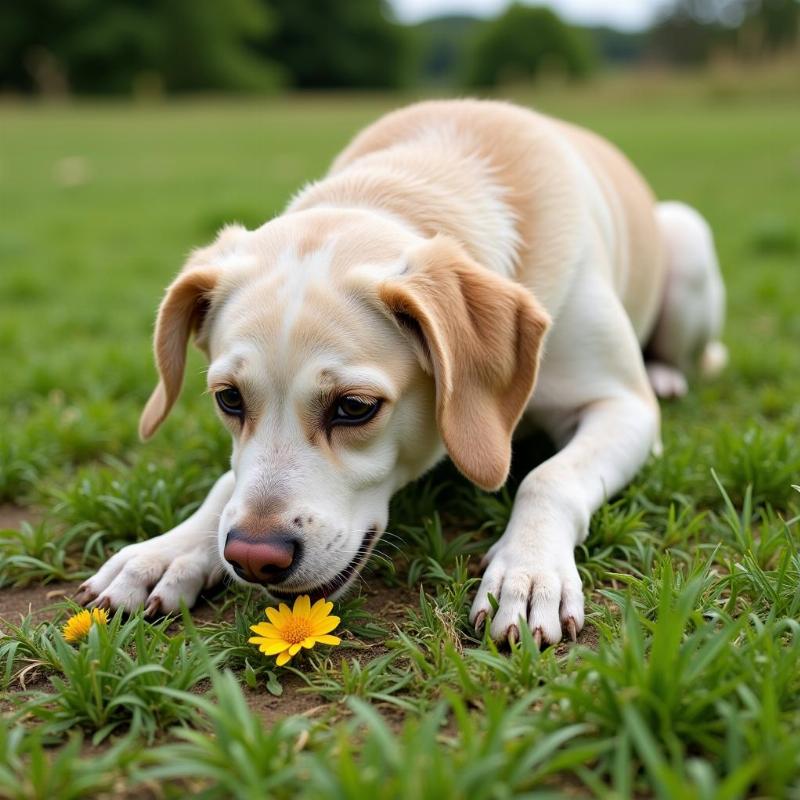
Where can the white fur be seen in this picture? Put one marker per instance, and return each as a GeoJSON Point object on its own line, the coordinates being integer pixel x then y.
{"type": "Point", "coordinates": [693, 311]}
{"type": "Point", "coordinates": [589, 398]}
{"type": "Point", "coordinates": [173, 567]}
{"type": "Point", "coordinates": [298, 275]}
{"type": "Point", "coordinates": [593, 394]}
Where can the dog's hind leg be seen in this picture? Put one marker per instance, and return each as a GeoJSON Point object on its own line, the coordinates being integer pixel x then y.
{"type": "Point", "coordinates": [686, 336]}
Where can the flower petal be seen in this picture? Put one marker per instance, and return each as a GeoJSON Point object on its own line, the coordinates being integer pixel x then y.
{"type": "Point", "coordinates": [100, 615]}
{"type": "Point", "coordinates": [309, 642]}
{"type": "Point", "coordinates": [294, 649]}
{"type": "Point", "coordinates": [273, 649]}
{"type": "Point", "coordinates": [302, 605]}
{"type": "Point", "coordinates": [282, 658]}
{"type": "Point", "coordinates": [326, 638]}
{"type": "Point", "coordinates": [273, 615]}
{"type": "Point", "coordinates": [266, 629]}
{"type": "Point", "coordinates": [321, 609]}
{"type": "Point", "coordinates": [269, 646]}
{"type": "Point", "coordinates": [285, 610]}
{"type": "Point", "coordinates": [325, 626]}
{"type": "Point", "coordinates": [78, 625]}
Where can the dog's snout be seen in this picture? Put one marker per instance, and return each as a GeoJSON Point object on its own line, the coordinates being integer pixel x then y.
{"type": "Point", "coordinates": [270, 559]}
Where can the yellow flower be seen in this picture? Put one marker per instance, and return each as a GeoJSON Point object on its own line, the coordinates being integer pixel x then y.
{"type": "Point", "coordinates": [77, 626]}
{"type": "Point", "coordinates": [290, 629]}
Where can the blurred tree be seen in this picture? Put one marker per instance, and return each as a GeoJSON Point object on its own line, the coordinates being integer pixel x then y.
{"type": "Point", "coordinates": [523, 42]}
{"type": "Point", "coordinates": [775, 24]}
{"type": "Point", "coordinates": [441, 45]}
{"type": "Point", "coordinates": [684, 37]}
{"type": "Point", "coordinates": [105, 46]}
{"type": "Point", "coordinates": [209, 45]}
{"type": "Point", "coordinates": [692, 30]}
{"type": "Point", "coordinates": [781, 21]}
{"type": "Point", "coordinates": [617, 47]}
{"type": "Point", "coordinates": [326, 44]}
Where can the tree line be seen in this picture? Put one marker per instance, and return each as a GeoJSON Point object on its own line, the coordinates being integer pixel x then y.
{"type": "Point", "coordinates": [141, 46]}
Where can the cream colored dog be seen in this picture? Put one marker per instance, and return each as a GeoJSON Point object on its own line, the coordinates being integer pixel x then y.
{"type": "Point", "coordinates": [463, 264]}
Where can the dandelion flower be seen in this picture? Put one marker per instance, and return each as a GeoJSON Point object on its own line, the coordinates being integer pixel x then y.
{"type": "Point", "coordinates": [289, 630]}
{"type": "Point", "coordinates": [77, 626]}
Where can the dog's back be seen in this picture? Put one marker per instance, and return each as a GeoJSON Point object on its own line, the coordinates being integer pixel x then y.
{"type": "Point", "coordinates": [514, 186]}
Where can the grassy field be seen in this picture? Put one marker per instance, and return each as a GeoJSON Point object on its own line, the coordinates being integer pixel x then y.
{"type": "Point", "coordinates": [685, 682]}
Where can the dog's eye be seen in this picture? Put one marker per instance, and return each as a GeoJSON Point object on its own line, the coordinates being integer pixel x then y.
{"type": "Point", "coordinates": [354, 410]}
{"type": "Point", "coordinates": [230, 401]}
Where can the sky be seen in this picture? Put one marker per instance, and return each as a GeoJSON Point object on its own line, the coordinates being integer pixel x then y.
{"type": "Point", "coordinates": [629, 15]}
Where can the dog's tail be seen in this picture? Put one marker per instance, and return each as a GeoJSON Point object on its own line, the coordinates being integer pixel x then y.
{"type": "Point", "coordinates": [713, 359]}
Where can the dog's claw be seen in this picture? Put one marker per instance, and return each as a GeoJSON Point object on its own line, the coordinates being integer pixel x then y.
{"type": "Point", "coordinates": [572, 629]}
{"type": "Point", "coordinates": [103, 602]}
{"type": "Point", "coordinates": [153, 607]}
{"type": "Point", "coordinates": [479, 621]}
{"type": "Point", "coordinates": [513, 635]}
{"type": "Point", "coordinates": [537, 637]}
{"type": "Point", "coordinates": [84, 595]}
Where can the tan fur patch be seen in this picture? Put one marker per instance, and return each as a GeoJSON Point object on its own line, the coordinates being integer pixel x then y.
{"type": "Point", "coordinates": [483, 334]}
{"type": "Point", "coordinates": [180, 314]}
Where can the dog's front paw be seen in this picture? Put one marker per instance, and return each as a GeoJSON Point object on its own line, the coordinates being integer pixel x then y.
{"type": "Point", "coordinates": [156, 575]}
{"type": "Point", "coordinates": [541, 587]}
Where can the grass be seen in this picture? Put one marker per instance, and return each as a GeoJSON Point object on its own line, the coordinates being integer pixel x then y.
{"type": "Point", "coordinates": [685, 683]}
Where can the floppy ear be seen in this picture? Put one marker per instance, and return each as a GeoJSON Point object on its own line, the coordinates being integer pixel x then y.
{"type": "Point", "coordinates": [181, 313]}
{"type": "Point", "coordinates": [480, 335]}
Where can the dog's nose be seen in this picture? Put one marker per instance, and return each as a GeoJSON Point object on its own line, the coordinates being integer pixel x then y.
{"type": "Point", "coordinates": [267, 560]}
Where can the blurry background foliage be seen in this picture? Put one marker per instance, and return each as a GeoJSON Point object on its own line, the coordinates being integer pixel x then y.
{"type": "Point", "coordinates": [150, 47]}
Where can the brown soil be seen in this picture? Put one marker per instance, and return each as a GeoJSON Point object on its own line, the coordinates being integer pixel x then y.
{"type": "Point", "coordinates": [12, 517]}
{"type": "Point", "coordinates": [588, 637]}
{"type": "Point", "coordinates": [37, 599]}
{"type": "Point", "coordinates": [272, 709]}
{"type": "Point", "coordinates": [386, 605]}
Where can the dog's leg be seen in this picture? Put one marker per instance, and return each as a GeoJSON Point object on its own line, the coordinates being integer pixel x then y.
{"type": "Point", "coordinates": [162, 572]}
{"type": "Point", "coordinates": [686, 336]}
{"type": "Point", "coordinates": [531, 568]}
{"type": "Point", "coordinates": [594, 398]}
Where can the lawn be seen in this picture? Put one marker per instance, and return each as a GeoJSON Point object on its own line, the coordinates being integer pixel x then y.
{"type": "Point", "coordinates": [685, 682]}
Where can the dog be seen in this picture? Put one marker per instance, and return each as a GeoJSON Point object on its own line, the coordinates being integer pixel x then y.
{"type": "Point", "coordinates": [464, 264]}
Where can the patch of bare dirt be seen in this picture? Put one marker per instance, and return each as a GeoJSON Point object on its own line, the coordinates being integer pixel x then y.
{"type": "Point", "coordinates": [588, 637]}
{"type": "Point", "coordinates": [12, 517]}
{"type": "Point", "coordinates": [37, 599]}
{"type": "Point", "coordinates": [388, 603]}
{"type": "Point", "coordinates": [272, 709]}
{"type": "Point", "coordinates": [385, 605]}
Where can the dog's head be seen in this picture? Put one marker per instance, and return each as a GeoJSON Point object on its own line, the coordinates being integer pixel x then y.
{"type": "Point", "coordinates": [347, 355]}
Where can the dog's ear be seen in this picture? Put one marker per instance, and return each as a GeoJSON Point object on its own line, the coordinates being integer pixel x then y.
{"type": "Point", "coordinates": [181, 313]}
{"type": "Point", "coordinates": [480, 335]}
